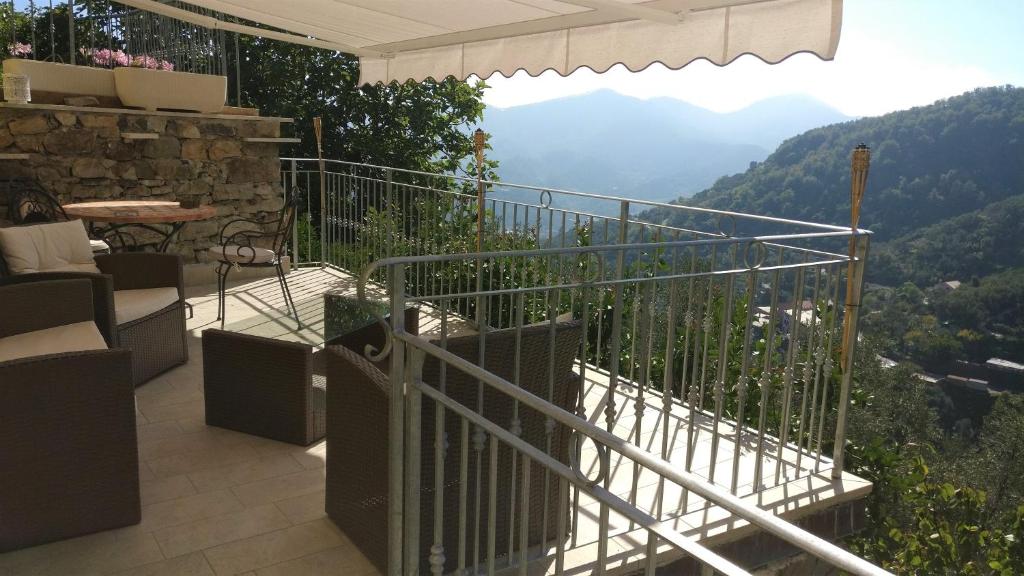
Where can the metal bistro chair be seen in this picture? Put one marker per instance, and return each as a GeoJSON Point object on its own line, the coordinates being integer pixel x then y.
{"type": "Point", "coordinates": [241, 249]}
{"type": "Point", "coordinates": [27, 203]}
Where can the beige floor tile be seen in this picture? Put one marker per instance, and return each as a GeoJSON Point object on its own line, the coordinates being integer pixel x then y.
{"type": "Point", "coordinates": [162, 489]}
{"type": "Point", "coordinates": [189, 462]}
{"type": "Point", "coordinates": [192, 409]}
{"type": "Point", "coordinates": [280, 487]}
{"type": "Point", "coordinates": [210, 532]}
{"type": "Point", "coordinates": [158, 431]}
{"type": "Point", "coordinates": [274, 548]}
{"type": "Point", "coordinates": [144, 472]}
{"type": "Point", "coordinates": [305, 508]}
{"type": "Point", "coordinates": [244, 473]}
{"type": "Point", "coordinates": [191, 565]}
{"type": "Point", "coordinates": [339, 561]}
{"type": "Point", "coordinates": [313, 456]}
{"type": "Point", "coordinates": [101, 553]}
{"type": "Point", "coordinates": [204, 439]}
{"type": "Point", "coordinates": [188, 509]}
{"type": "Point", "coordinates": [173, 396]}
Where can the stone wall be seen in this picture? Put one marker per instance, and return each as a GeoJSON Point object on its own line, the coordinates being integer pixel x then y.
{"type": "Point", "coordinates": [81, 155]}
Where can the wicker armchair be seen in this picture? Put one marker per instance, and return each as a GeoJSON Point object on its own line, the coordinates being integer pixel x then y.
{"type": "Point", "coordinates": [357, 441]}
{"type": "Point", "coordinates": [158, 340]}
{"type": "Point", "coordinates": [67, 425]}
{"type": "Point", "coordinates": [273, 388]}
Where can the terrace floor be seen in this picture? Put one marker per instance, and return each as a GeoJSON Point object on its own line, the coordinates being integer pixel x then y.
{"type": "Point", "coordinates": [218, 502]}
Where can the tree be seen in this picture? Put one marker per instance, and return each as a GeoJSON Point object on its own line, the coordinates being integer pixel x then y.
{"type": "Point", "coordinates": [418, 126]}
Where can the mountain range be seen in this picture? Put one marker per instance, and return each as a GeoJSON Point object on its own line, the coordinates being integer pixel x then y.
{"type": "Point", "coordinates": [657, 149]}
{"type": "Point", "coordinates": [944, 194]}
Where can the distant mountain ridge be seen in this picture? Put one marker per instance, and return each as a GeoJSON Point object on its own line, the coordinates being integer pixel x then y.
{"type": "Point", "coordinates": [929, 164]}
{"type": "Point", "coordinates": [658, 149]}
{"type": "Point", "coordinates": [945, 193]}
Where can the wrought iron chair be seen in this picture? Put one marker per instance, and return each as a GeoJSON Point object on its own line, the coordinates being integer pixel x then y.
{"type": "Point", "coordinates": [27, 203]}
{"type": "Point", "coordinates": [242, 248]}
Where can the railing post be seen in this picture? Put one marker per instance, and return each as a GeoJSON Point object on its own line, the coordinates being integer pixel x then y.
{"type": "Point", "coordinates": [853, 299]}
{"type": "Point", "coordinates": [295, 225]}
{"type": "Point", "coordinates": [414, 446]}
{"type": "Point", "coordinates": [615, 338]}
{"type": "Point", "coordinates": [396, 424]}
{"type": "Point", "coordinates": [389, 190]}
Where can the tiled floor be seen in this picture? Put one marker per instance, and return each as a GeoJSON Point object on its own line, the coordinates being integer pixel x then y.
{"type": "Point", "coordinates": [217, 502]}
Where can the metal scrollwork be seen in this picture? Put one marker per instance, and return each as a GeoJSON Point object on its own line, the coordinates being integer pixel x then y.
{"type": "Point", "coordinates": [722, 218]}
{"type": "Point", "coordinates": [760, 253]}
{"type": "Point", "coordinates": [370, 351]}
{"type": "Point", "coordinates": [575, 447]}
{"type": "Point", "coordinates": [546, 204]}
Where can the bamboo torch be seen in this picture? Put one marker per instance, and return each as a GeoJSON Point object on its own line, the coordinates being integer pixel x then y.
{"type": "Point", "coordinates": [859, 165]}
{"type": "Point", "coordinates": [319, 134]}
{"type": "Point", "coordinates": [479, 141]}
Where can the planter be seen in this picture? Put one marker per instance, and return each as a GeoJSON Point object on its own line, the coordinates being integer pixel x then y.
{"type": "Point", "coordinates": [159, 89]}
{"type": "Point", "coordinates": [52, 82]}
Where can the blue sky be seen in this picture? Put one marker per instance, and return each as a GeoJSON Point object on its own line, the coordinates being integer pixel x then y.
{"type": "Point", "coordinates": [893, 54]}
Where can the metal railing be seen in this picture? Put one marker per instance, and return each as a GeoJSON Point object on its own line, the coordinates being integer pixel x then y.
{"type": "Point", "coordinates": [108, 34]}
{"type": "Point", "coordinates": [720, 347]}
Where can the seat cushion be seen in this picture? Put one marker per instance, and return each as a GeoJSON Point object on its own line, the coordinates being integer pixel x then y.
{"type": "Point", "coordinates": [134, 304]}
{"type": "Point", "coordinates": [75, 337]}
{"type": "Point", "coordinates": [53, 247]}
{"type": "Point", "coordinates": [242, 254]}
{"type": "Point", "coordinates": [99, 246]}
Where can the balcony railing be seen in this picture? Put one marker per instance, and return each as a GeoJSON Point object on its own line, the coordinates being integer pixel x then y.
{"type": "Point", "coordinates": [715, 335]}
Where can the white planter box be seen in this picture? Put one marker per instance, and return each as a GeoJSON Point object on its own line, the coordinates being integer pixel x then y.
{"type": "Point", "coordinates": [50, 81]}
{"type": "Point", "coordinates": [159, 89]}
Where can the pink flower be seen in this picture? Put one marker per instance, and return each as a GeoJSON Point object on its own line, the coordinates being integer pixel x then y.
{"type": "Point", "coordinates": [165, 65]}
{"type": "Point", "coordinates": [19, 49]}
{"type": "Point", "coordinates": [145, 61]}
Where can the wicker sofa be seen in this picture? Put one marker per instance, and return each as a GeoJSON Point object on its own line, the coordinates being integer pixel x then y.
{"type": "Point", "coordinates": [357, 441]}
{"type": "Point", "coordinates": [69, 462]}
{"type": "Point", "coordinates": [144, 294]}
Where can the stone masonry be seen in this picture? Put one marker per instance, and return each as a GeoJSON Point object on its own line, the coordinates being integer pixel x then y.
{"type": "Point", "coordinates": [80, 155]}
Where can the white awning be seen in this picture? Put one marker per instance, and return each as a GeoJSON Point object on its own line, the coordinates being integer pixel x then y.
{"type": "Point", "coordinates": [398, 40]}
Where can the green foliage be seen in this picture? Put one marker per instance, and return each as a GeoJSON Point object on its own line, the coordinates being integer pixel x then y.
{"type": "Point", "coordinates": [977, 243]}
{"type": "Point", "coordinates": [419, 126]}
{"type": "Point", "coordinates": [929, 164]}
{"type": "Point", "coordinates": [951, 510]}
{"type": "Point", "coordinates": [949, 531]}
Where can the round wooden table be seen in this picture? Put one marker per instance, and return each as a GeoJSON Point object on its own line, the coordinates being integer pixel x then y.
{"type": "Point", "coordinates": [165, 219]}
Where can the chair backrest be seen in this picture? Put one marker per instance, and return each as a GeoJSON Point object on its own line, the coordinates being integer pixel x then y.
{"type": "Point", "coordinates": [27, 203]}
{"type": "Point", "coordinates": [286, 222]}
{"type": "Point", "coordinates": [32, 306]}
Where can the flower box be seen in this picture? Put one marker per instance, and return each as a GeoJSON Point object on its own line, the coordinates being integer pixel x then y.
{"type": "Point", "coordinates": [52, 82]}
{"type": "Point", "coordinates": [160, 89]}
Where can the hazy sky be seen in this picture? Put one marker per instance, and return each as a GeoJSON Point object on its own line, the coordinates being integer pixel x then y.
{"type": "Point", "coordinates": [893, 54]}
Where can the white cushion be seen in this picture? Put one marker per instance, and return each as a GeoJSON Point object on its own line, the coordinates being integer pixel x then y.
{"type": "Point", "coordinates": [68, 338]}
{"type": "Point", "coordinates": [99, 246]}
{"type": "Point", "coordinates": [134, 304]}
{"type": "Point", "coordinates": [54, 247]}
{"type": "Point", "coordinates": [242, 254]}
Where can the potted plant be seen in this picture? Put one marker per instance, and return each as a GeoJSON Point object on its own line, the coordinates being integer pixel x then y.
{"type": "Point", "coordinates": [52, 82]}
{"type": "Point", "coordinates": [151, 83]}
